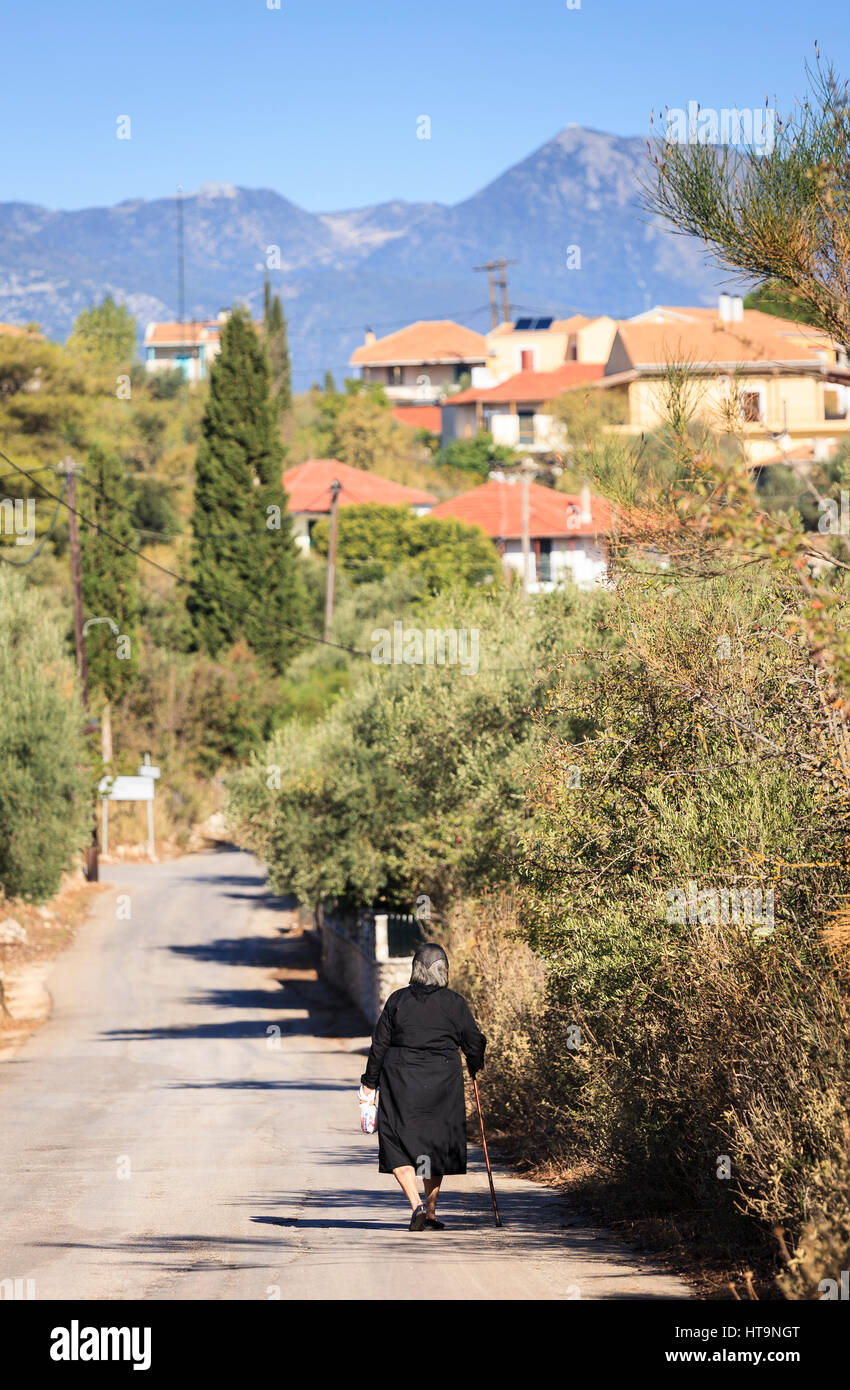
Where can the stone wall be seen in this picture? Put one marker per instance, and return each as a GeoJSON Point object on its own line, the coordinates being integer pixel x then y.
{"type": "Point", "coordinates": [355, 959]}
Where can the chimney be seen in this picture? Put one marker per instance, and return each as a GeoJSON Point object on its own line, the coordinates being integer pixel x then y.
{"type": "Point", "coordinates": [369, 339]}
{"type": "Point", "coordinates": [584, 499]}
{"type": "Point", "coordinates": [724, 308]}
{"type": "Point", "coordinates": [737, 309]}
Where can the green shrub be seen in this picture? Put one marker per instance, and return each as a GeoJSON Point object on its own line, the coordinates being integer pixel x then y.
{"type": "Point", "coordinates": [415, 782]}
{"type": "Point", "coordinates": [700, 1038]}
{"type": "Point", "coordinates": [45, 793]}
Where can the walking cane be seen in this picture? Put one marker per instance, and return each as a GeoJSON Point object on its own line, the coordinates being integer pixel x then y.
{"type": "Point", "coordinates": [486, 1155]}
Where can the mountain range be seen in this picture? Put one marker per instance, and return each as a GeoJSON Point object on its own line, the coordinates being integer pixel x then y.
{"type": "Point", "coordinates": [378, 267]}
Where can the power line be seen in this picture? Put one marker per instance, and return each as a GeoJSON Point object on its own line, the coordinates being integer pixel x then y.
{"type": "Point", "coordinates": [22, 564]}
{"type": "Point", "coordinates": [384, 323]}
{"type": "Point", "coordinates": [42, 468]}
{"type": "Point", "coordinates": [247, 609]}
{"type": "Point", "coordinates": [163, 569]}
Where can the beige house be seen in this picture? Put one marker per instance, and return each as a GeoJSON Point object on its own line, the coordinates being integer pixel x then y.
{"type": "Point", "coordinates": [545, 344]}
{"type": "Point", "coordinates": [787, 383]}
{"type": "Point", "coordinates": [419, 364]}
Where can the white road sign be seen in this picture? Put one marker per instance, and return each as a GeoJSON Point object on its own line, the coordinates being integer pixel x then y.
{"type": "Point", "coordinates": [126, 788]}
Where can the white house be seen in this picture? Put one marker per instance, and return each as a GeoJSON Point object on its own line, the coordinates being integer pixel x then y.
{"type": "Point", "coordinates": [567, 534]}
{"type": "Point", "coordinates": [518, 411]}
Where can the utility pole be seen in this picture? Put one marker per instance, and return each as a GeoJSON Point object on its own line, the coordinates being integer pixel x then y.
{"type": "Point", "coordinates": [503, 285]}
{"type": "Point", "coordinates": [336, 488]}
{"type": "Point", "coordinates": [491, 267]}
{"type": "Point", "coordinates": [70, 470]}
{"type": "Point", "coordinates": [491, 286]}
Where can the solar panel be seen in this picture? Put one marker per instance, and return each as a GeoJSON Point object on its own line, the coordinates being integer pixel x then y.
{"type": "Point", "coordinates": [531, 325]}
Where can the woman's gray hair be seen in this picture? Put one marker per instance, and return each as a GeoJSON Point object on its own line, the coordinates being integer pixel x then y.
{"type": "Point", "coordinates": [430, 966]}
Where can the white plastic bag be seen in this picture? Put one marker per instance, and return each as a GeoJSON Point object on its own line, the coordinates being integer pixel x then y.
{"type": "Point", "coordinates": [368, 1110]}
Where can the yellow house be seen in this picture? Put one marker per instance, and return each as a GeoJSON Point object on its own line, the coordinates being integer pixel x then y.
{"type": "Point", "coordinates": [545, 344]}
{"type": "Point", "coordinates": [788, 383]}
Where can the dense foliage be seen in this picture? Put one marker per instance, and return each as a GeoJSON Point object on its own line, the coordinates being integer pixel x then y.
{"type": "Point", "coordinates": [244, 577]}
{"type": "Point", "coordinates": [45, 806]}
{"type": "Point", "coordinates": [415, 782]}
{"type": "Point", "coordinates": [110, 573]}
{"type": "Point", "coordinates": [374, 540]}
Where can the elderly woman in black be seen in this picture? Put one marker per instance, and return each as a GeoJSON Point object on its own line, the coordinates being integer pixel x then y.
{"type": "Point", "coordinates": [414, 1059]}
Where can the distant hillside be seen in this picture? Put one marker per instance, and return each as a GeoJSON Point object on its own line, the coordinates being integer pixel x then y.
{"type": "Point", "coordinates": [379, 266]}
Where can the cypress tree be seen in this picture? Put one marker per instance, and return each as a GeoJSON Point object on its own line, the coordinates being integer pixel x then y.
{"type": "Point", "coordinates": [277, 347]}
{"type": "Point", "coordinates": [110, 581]}
{"type": "Point", "coordinates": [243, 554]}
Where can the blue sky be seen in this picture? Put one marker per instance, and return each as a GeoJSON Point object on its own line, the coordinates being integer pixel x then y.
{"type": "Point", "coordinates": [320, 101]}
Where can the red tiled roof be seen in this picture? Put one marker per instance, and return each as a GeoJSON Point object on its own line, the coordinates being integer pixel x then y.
{"type": "Point", "coordinates": [428, 340]}
{"type": "Point", "coordinates": [420, 417]}
{"type": "Point", "coordinates": [531, 386]}
{"type": "Point", "coordinates": [309, 487]}
{"type": "Point", "coordinates": [496, 507]}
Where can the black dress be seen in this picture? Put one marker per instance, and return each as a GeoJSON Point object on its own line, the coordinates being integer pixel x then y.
{"type": "Point", "coordinates": [414, 1059]}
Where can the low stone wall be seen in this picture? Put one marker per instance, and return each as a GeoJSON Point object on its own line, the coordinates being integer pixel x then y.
{"type": "Point", "coordinates": [356, 960]}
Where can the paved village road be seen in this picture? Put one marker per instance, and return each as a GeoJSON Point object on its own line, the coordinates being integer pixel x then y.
{"type": "Point", "coordinates": [153, 1143]}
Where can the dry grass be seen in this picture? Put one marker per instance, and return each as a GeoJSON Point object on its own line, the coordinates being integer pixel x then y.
{"type": "Point", "coordinates": [631, 1128]}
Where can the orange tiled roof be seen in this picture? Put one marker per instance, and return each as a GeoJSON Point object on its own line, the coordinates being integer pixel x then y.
{"type": "Point", "coordinates": [798, 453]}
{"type": "Point", "coordinates": [716, 343]}
{"type": "Point", "coordinates": [428, 340]}
{"type": "Point", "coordinates": [531, 386]}
{"type": "Point", "coordinates": [496, 507]}
{"type": "Point", "coordinates": [16, 330]}
{"type": "Point", "coordinates": [753, 318]}
{"type": "Point", "coordinates": [419, 417]}
{"type": "Point", "coordinates": [170, 333]}
{"type": "Point", "coordinates": [569, 325]}
{"type": "Point", "coordinates": [309, 487]}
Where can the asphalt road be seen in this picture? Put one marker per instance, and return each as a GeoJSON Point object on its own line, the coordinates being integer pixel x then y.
{"type": "Point", "coordinates": [157, 1141]}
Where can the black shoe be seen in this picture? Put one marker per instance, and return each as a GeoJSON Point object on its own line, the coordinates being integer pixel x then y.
{"type": "Point", "coordinates": [433, 1224]}
{"type": "Point", "coordinates": [418, 1219]}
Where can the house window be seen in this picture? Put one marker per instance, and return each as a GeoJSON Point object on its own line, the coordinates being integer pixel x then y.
{"type": "Point", "coordinates": [396, 374]}
{"type": "Point", "coordinates": [835, 402]}
{"type": "Point", "coordinates": [526, 427]}
{"type": "Point", "coordinates": [544, 562]}
{"type": "Point", "coordinates": [526, 360]}
{"type": "Point", "coordinates": [752, 411]}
